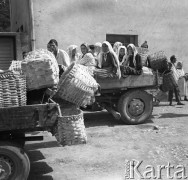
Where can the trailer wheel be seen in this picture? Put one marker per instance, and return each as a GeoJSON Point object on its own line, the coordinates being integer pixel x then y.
{"type": "Point", "coordinates": [135, 106]}
{"type": "Point", "coordinates": [14, 162]}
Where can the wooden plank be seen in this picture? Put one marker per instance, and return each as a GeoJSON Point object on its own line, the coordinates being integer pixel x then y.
{"type": "Point", "coordinates": [129, 82]}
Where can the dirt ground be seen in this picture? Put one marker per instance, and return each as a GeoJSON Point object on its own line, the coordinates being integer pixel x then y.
{"type": "Point", "coordinates": [161, 140]}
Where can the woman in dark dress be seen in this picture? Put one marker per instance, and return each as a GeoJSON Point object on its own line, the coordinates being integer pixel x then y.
{"type": "Point", "coordinates": [108, 62]}
{"type": "Point", "coordinates": [133, 64]}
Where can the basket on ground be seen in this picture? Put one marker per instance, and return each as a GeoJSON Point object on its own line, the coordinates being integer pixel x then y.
{"type": "Point", "coordinates": [71, 128]}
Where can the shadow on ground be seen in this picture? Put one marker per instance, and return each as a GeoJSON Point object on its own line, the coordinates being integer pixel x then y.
{"type": "Point", "coordinates": [103, 118]}
{"type": "Point", "coordinates": [39, 168]}
{"type": "Point", "coordinates": [42, 144]}
{"type": "Point", "coordinates": [172, 115]}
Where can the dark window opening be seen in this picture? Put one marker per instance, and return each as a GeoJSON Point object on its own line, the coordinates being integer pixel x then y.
{"type": "Point", "coordinates": [126, 39]}
{"type": "Point", "coordinates": [7, 51]}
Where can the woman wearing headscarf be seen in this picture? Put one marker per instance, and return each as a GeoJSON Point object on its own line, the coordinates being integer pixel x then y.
{"type": "Point", "coordinates": [87, 59]}
{"type": "Point", "coordinates": [108, 62]}
{"type": "Point", "coordinates": [182, 84]}
{"type": "Point", "coordinates": [133, 63]}
{"type": "Point", "coordinates": [97, 49]}
{"type": "Point", "coordinates": [122, 54]}
{"type": "Point", "coordinates": [73, 53]}
{"type": "Point", "coordinates": [116, 46]}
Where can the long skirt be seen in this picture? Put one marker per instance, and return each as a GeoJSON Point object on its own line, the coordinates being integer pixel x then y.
{"type": "Point", "coordinates": [182, 84]}
{"type": "Point", "coordinates": [126, 70]}
{"type": "Point", "coordinates": [104, 73]}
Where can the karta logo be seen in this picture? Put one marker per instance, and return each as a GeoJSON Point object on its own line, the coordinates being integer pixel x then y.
{"type": "Point", "coordinates": [133, 171]}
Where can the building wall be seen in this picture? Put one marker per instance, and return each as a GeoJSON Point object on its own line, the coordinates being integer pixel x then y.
{"type": "Point", "coordinates": [163, 23]}
{"type": "Point", "coordinates": [20, 22]}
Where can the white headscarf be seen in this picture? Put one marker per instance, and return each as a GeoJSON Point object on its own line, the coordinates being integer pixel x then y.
{"type": "Point", "coordinates": [135, 52]}
{"type": "Point", "coordinates": [69, 50]}
{"type": "Point", "coordinates": [98, 44]}
{"type": "Point", "coordinates": [116, 61]}
{"type": "Point", "coordinates": [179, 67]}
{"type": "Point", "coordinates": [116, 46]}
{"type": "Point", "coordinates": [125, 56]}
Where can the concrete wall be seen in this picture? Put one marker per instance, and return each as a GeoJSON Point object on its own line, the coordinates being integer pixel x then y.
{"type": "Point", "coordinates": [163, 23]}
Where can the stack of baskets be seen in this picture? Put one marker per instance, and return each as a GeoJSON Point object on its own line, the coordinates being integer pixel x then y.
{"type": "Point", "coordinates": [158, 61]}
{"type": "Point", "coordinates": [16, 66]}
{"type": "Point", "coordinates": [12, 89]}
{"type": "Point", "coordinates": [71, 128]}
{"type": "Point", "coordinates": [77, 86]}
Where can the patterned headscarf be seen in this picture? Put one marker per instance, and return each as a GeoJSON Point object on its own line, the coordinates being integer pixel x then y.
{"type": "Point", "coordinates": [86, 45]}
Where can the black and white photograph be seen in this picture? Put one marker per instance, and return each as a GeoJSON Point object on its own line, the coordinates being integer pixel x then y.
{"type": "Point", "coordinates": [93, 89]}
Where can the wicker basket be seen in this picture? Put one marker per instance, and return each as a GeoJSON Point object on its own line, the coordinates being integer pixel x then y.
{"type": "Point", "coordinates": [169, 81]}
{"type": "Point", "coordinates": [77, 86]}
{"type": "Point", "coordinates": [12, 89]}
{"type": "Point", "coordinates": [158, 61]}
{"type": "Point", "coordinates": [71, 128]}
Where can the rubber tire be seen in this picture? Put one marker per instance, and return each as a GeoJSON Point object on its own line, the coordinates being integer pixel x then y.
{"type": "Point", "coordinates": [19, 158]}
{"type": "Point", "coordinates": [124, 100]}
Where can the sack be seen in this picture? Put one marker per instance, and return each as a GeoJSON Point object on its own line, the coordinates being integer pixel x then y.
{"type": "Point", "coordinates": [158, 61]}
{"type": "Point", "coordinates": [41, 69]}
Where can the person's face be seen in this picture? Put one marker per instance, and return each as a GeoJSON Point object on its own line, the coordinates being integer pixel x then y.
{"type": "Point", "coordinates": [24, 55]}
{"type": "Point", "coordinates": [122, 52]}
{"type": "Point", "coordinates": [83, 49]}
{"type": "Point", "coordinates": [130, 50]}
{"type": "Point", "coordinates": [53, 47]}
{"type": "Point", "coordinates": [105, 48]}
{"type": "Point", "coordinates": [97, 49]}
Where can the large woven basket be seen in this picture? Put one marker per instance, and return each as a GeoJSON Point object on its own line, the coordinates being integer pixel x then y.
{"type": "Point", "coordinates": [169, 81]}
{"type": "Point", "coordinates": [71, 128]}
{"type": "Point", "coordinates": [77, 86]}
{"type": "Point", "coordinates": [12, 89]}
{"type": "Point", "coordinates": [158, 61]}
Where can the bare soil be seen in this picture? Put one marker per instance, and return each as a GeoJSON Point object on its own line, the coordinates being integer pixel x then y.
{"type": "Point", "coordinates": [110, 143]}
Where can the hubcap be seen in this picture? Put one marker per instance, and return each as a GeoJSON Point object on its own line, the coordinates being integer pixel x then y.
{"type": "Point", "coordinates": [6, 167]}
{"type": "Point", "coordinates": [136, 107]}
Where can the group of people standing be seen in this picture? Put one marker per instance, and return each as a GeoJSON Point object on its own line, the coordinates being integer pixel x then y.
{"type": "Point", "coordinates": [113, 61]}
